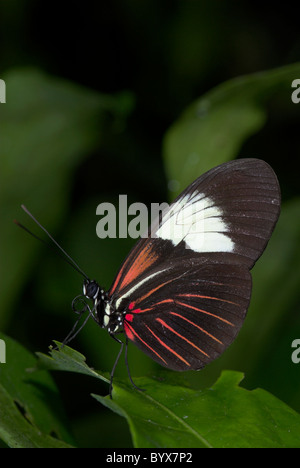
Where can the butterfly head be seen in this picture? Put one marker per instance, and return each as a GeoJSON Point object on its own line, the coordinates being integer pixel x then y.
{"type": "Point", "coordinates": [91, 289]}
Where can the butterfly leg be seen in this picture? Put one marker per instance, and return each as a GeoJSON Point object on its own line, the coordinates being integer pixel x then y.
{"type": "Point", "coordinates": [115, 365]}
{"type": "Point", "coordinates": [127, 366]}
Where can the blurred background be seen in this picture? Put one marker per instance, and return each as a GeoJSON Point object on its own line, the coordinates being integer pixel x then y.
{"type": "Point", "coordinates": [96, 99]}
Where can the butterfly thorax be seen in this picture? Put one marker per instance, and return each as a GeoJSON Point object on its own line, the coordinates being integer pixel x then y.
{"type": "Point", "coordinates": [105, 313]}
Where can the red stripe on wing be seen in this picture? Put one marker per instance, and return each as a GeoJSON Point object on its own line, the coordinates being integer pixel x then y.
{"type": "Point", "coordinates": [131, 334]}
{"type": "Point", "coordinates": [168, 347]}
{"type": "Point", "coordinates": [164, 324]}
{"type": "Point", "coordinates": [197, 326]}
{"type": "Point", "coordinates": [141, 260]}
{"type": "Point", "coordinates": [141, 311]}
{"type": "Point", "coordinates": [153, 290]}
{"type": "Point", "coordinates": [128, 332]}
{"type": "Point", "coordinates": [205, 312]}
{"type": "Point", "coordinates": [207, 297]}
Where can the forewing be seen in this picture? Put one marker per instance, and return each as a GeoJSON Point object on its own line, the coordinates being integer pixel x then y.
{"type": "Point", "coordinates": [230, 211]}
{"type": "Point", "coordinates": [233, 208]}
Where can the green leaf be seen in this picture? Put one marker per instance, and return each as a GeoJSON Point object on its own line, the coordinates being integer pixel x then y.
{"type": "Point", "coordinates": [16, 432]}
{"type": "Point", "coordinates": [65, 358]}
{"type": "Point", "coordinates": [30, 409]}
{"type": "Point", "coordinates": [224, 415]}
{"type": "Point", "coordinates": [212, 129]}
{"type": "Point", "coordinates": [172, 415]}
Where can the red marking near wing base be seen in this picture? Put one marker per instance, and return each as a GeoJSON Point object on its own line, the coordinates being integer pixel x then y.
{"type": "Point", "coordinates": [168, 348]}
{"type": "Point", "coordinates": [131, 333]}
{"type": "Point", "coordinates": [195, 325]}
{"type": "Point", "coordinates": [207, 297]}
{"type": "Point", "coordinates": [129, 317]}
{"type": "Point", "coordinates": [205, 312]}
{"type": "Point", "coordinates": [128, 332]}
{"type": "Point", "coordinates": [164, 324]}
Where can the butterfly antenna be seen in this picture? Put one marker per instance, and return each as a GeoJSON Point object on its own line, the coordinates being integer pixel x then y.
{"type": "Point", "coordinates": [66, 256]}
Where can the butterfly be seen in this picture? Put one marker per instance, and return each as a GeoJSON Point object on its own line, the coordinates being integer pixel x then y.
{"type": "Point", "coordinates": [182, 293]}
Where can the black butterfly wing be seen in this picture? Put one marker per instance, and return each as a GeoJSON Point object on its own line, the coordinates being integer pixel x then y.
{"type": "Point", "coordinates": [186, 288]}
{"type": "Point", "coordinates": [185, 321]}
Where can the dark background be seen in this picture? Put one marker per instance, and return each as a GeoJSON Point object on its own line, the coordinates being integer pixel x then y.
{"type": "Point", "coordinates": [163, 55]}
